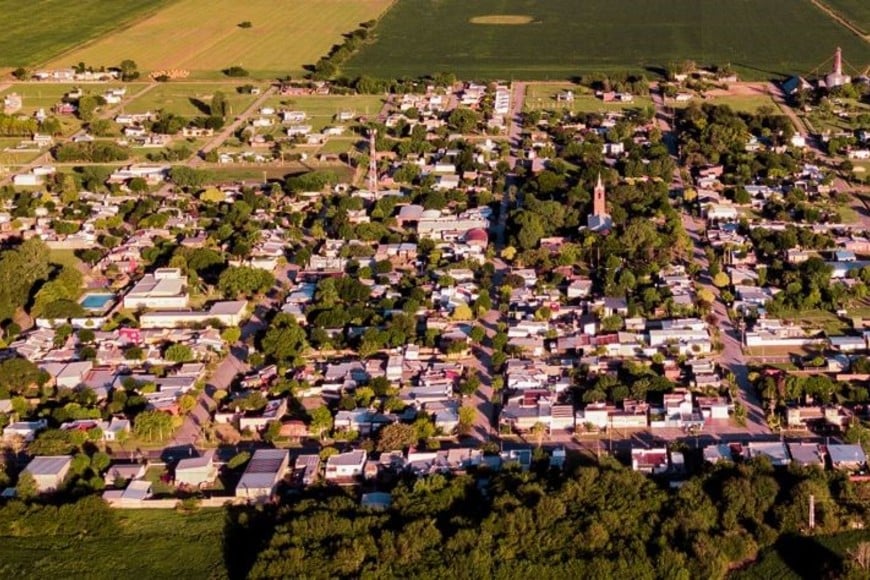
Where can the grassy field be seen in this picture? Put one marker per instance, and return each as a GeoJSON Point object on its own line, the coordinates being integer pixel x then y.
{"type": "Point", "coordinates": [543, 97]}
{"type": "Point", "coordinates": [152, 544]}
{"type": "Point", "coordinates": [738, 103]}
{"type": "Point", "coordinates": [566, 38]}
{"type": "Point", "coordinates": [203, 35]}
{"type": "Point", "coordinates": [855, 11]}
{"type": "Point", "coordinates": [189, 99]}
{"type": "Point", "coordinates": [322, 109]}
{"type": "Point", "coordinates": [34, 32]}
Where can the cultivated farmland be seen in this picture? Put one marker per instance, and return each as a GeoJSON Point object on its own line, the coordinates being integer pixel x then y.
{"type": "Point", "coordinates": [855, 11]}
{"type": "Point", "coordinates": [204, 35]}
{"type": "Point", "coordinates": [563, 38]}
{"type": "Point", "coordinates": [34, 32]}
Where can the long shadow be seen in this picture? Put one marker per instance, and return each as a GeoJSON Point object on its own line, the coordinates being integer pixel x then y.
{"type": "Point", "coordinates": [247, 531]}
{"type": "Point", "coordinates": [808, 558]}
{"type": "Point", "coordinates": [201, 106]}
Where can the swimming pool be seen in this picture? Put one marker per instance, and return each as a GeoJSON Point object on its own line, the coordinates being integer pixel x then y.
{"type": "Point", "coordinates": [96, 301]}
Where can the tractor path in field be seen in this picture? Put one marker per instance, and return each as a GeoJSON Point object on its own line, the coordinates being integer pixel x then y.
{"type": "Point", "coordinates": [843, 21]}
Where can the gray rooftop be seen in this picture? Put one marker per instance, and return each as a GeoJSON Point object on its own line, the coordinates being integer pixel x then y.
{"type": "Point", "coordinates": [48, 464]}
{"type": "Point", "coordinates": [847, 453]}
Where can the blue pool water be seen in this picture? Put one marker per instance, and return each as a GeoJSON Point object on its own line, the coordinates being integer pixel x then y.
{"type": "Point", "coordinates": [96, 301]}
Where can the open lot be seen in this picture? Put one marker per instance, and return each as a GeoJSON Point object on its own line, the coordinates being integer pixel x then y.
{"type": "Point", "coordinates": [203, 35]}
{"type": "Point", "coordinates": [34, 32]}
{"type": "Point", "coordinates": [564, 38]}
{"type": "Point", "coordinates": [189, 99]}
{"type": "Point", "coordinates": [322, 110]}
{"type": "Point", "coordinates": [542, 96]}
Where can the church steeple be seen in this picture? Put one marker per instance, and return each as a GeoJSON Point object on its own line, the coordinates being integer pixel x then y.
{"type": "Point", "coordinates": [599, 204]}
{"type": "Point", "coordinates": [599, 220]}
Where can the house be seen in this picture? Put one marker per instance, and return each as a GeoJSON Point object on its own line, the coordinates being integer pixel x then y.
{"type": "Point", "coordinates": [652, 461]}
{"type": "Point", "coordinates": [363, 421]}
{"type": "Point", "coordinates": [847, 457]}
{"type": "Point", "coordinates": [718, 452]}
{"type": "Point", "coordinates": [262, 475]}
{"type": "Point", "coordinates": [775, 451]}
{"type": "Point", "coordinates": [227, 312]}
{"type": "Point", "coordinates": [124, 472]}
{"type": "Point", "coordinates": [307, 468]}
{"type": "Point", "coordinates": [806, 454]}
{"type": "Point", "coordinates": [273, 411]}
{"type": "Point", "coordinates": [49, 471]}
{"type": "Point", "coordinates": [27, 430]}
{"type": "Point", "coordinates": [164, 289]}
{"type": "Point", "coordinates": [345, 465]}
{"type": "Point", "coordinates": [196, 471]}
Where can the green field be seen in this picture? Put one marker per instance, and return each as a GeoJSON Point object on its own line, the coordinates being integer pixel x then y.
{"type": "Point", "coordinates": [322, 109]}
{"type": "Point", "coordinates": [855, 11]}
{"type": "Point", "coordinates": [151, 544]}
{"type": "Point", "coordinates": [203, 35]}
{"type": "Point", "coordinates": [34, 32]}
{"type": "Point", "coordinates": [759, 38]}
{"type": "Point", "coordinates": [543, 97]}
{"type": "Point", "coordinates": [189, 99]}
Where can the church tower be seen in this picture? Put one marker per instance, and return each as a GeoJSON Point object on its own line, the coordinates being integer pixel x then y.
{"type": "Point", "coordinates": [599, 220]}
{"type": "Point", "coordinates": [599, 205]}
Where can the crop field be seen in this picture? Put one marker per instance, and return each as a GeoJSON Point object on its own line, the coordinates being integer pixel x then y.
{"type": "Point", "coordinates": [855, 11]}
{"type": "Point", "coordinates": [36, 31]}
{"type": "Point", "coordinates": [189, 99]}
{"type": "Point", "coordinates": [205, 36]}
{"type": "Point", "coordinates": [559, 39]}
{"type": "Point", "coordinates": [167, 545]}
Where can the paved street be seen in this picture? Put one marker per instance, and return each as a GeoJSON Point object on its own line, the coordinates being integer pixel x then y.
{"type": "Point", "coordinates": [731, 357]}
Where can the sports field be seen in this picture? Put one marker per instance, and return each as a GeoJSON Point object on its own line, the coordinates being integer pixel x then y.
{"type": "Point", "coordinates": [563, 38]}
{"type": "Point", "coordinates": [204, 35]}
{"type": "Point", "coordinates": [38, 30]}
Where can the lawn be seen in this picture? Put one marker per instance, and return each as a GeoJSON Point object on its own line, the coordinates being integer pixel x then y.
{"type": "Point", "coordinates": [151, 544]}
{"type": "Point", "coordinates": [34, 32]}
{"type": "Point", "coordinates": [818, 319]}
{"type": "Point", "coordinates": [855, 11]}
{"type": "Point", "coordinates": [203, 35]}
{"type": "Point", "coordinates": [189, 99]}
{"type": "Point", "coordinates": [564, 38]}
{"type": "Point", "coordinates": [738, 103]}
{"type": "Point", "coordinates": [543, 97]}
{"type": "Point", "coordinates": [45, 95]}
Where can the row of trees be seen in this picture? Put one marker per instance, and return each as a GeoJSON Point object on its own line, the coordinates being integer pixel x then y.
{"type": "Point", "coordinates": [605, 522]}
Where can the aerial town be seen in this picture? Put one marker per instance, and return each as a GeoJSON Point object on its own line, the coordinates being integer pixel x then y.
{"type": "Point", "coordinates": [307, 290]}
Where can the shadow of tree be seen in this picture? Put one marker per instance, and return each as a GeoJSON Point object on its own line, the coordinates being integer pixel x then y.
{"type": "Point", "coordinates": [808, 558]}
{"type": "Point", "coordinates": [247, 531]}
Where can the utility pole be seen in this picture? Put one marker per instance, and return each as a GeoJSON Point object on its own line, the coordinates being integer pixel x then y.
{"type": "Point", "coordinates": [812, 512]}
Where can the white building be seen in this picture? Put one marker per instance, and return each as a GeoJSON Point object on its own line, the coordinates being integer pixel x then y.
{"type": "Point", "coordinates": [49, 471]}
{"type": "Point", "coordinates": [345, 465]}
{"type": "Point", "coordinates": [164, 289]}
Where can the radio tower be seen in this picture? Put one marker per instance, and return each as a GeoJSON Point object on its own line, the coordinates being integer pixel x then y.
{"type": "Point", "coordinates": [373, 162]}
